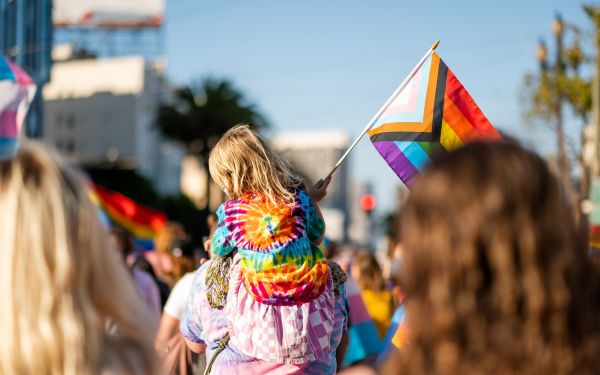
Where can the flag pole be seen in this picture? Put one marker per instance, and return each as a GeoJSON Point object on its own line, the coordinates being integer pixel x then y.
{"type": "Point", "coordinates": [384, 107]}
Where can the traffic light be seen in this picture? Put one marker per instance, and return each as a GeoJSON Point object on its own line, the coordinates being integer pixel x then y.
{"type": "Point", "coordinates": [367, 203]}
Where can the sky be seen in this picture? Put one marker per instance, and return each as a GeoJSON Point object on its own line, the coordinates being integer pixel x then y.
{"type": "Point", "coordinates": [331, 64]}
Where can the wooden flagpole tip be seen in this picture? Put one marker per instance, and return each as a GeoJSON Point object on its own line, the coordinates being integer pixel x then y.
{"type": "Point", "coordinates": [434, 46]}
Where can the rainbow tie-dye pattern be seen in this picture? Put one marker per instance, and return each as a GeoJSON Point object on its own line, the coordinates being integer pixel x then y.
{"type": "Point", "coordinates": [280, 263]}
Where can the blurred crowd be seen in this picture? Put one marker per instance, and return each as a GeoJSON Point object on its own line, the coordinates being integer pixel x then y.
{"type": "Point", "coordinates": [491, 276]}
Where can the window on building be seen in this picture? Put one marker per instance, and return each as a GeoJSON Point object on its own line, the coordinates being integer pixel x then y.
{"type": "Point", "coordinates": [71, 122]}
{"type": "Point", "coordinates": [59, 120]}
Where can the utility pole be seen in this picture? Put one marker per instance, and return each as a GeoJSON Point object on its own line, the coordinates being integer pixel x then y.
{"type": "Point", "coordinates": [551, 75]}
{"type": "Point", "coordinates": [559, 71]}
{"type": "Point", "coordinates": [595, 167]}
{"type": "Point", "coordinates": [593, 13]}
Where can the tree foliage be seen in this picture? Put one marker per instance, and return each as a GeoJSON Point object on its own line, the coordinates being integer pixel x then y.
{"type": "Point", "coordinates": [543, 91]}
{"type": "Point", "coordinates": [559, 85]}
{"type": "Point", "coordinates": [553, 87]}
{"type": "Point", "coordinates": [199, 115]}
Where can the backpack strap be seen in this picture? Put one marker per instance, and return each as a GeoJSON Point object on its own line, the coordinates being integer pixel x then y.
{"type": "Point", "coordinates": [217, 281]}
{"type": "Point", "coordinates": [338, 275]}
{"type": "Point", "coordinates": [220, 347]}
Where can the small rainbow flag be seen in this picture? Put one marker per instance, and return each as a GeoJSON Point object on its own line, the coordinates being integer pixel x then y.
{"type": "Point", "coordinates": [594, 241]}
{"type": "Point", "coordinates": [16, 93]}
{"type": "Point", "coordinates": [142, 222]}
{"type": "Point", "coordinates": [396, 336]}
{"type": "Point", "coordinates": [364, 339]}
{"type": "Point", "coordinates": [434, 113]}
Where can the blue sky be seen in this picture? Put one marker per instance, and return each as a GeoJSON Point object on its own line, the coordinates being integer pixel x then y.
{"type": "Point", "coordinates": [331, 64]}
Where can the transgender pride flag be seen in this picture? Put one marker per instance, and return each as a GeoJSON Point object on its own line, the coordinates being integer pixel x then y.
{"type": "Point", "coordinates": [16, 93]}
{"type": "Point", "coordinates": [364, 339]}
{"type": "Point", "coordinates": [434, 113]}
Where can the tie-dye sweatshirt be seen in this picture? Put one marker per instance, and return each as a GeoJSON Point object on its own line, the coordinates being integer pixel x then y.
{"type": "Point", "coordinates": [280, 263]}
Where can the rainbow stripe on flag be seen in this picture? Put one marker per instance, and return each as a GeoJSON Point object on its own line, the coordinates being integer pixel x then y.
{"type": "Point", "coordinates": [142, 222]}
{"type": "Point", "coordinates": [96, 201]}
{"type": "Point", "coordinates": [594, 241]}
{"type": "Point", "coordinates": [434, 113]}
{"type": "Point", "coordinates": [16, 93]}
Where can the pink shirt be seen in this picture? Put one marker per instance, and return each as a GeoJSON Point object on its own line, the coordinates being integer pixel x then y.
{"type": "Point", "coordinates": [203, 324]}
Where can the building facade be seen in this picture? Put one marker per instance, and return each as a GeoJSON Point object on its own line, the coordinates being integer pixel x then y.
{"type": "Point", "coordinates": [104, 110]}
{"type": "Point", "coordinates": [312, 155]}
{"type": "Point", "coordinates": [26, 38]}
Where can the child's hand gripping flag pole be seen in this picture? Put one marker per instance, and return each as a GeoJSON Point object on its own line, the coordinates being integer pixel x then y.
{"type": "Point", "coordinates": [430, 112]}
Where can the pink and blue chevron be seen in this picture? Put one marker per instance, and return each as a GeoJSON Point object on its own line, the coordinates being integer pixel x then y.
{"type": "Point", "coordinates": [433, 115]}
{"type": "Point", "coordinates": [16, 93]}
{"type": "Point", "coordinates": [364, 339]}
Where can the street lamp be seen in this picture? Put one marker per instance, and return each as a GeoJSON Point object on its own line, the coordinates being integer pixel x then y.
{"type": "Point", "coordinates": [541, 53]}
{"type": "Point", "coordinates": [558, 26]}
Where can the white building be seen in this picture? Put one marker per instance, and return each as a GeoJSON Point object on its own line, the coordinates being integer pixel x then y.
{"type": "Point", "coordinates": [104, 110]}
{"type": "Point", "coordinates": [313, 154]}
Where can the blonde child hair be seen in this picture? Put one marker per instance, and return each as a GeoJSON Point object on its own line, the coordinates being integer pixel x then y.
{"type": "Point", "coordinates": [266, 260]}
{"type": "Point", "coordinates": [241, 163]}
{"type": "Point", "coordinates": [61, 284]}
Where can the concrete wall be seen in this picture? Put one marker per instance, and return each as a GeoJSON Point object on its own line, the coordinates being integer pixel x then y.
{"type": "Point", "coordinates": [105, 110]}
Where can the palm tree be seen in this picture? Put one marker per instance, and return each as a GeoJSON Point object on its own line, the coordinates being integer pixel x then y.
{"type": "Point", "coordinates": [198, 116]}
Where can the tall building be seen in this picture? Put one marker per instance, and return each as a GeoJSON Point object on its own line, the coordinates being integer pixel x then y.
{"type": "Point", "coordinates": [111, 28]}
{"type": "Point", "coordinates": [26, 38]}
{"type": "Point", "coordinates": [105, 109]}
{"type": "Point", "coordinates": [312, 154]}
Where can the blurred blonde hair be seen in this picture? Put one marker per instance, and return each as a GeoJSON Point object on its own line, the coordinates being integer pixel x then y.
{"type": "Point", "coordinates": [61, 285]}
{"type": "Point", "coordinates": [242, 163]}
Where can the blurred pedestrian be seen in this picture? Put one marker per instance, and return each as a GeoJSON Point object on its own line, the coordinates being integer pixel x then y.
{"type": "Point", "coordinates": [170, 344]}
{"type": "Point", "coordinates": [362, 332]}
{"type": "Point", "coordinates": [168, 262]}
{"type": "Point", "coordinates": [70, 307]}
{"type": "Point", "coordinates": [378, 300]}
{"type": "Point", "coordinates": [496, 278]}
{"type": "Point", "coordinates": [171, 262]}
{"type": "Point", "coordinates": [144, 282]}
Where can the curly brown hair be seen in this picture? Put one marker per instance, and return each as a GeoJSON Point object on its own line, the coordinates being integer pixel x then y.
{"type": "Point", "coordinates": [497, 280]}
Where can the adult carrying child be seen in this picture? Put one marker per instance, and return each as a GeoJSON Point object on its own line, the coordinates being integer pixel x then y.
{"type": "Point", "coordinates": [282, 302]}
